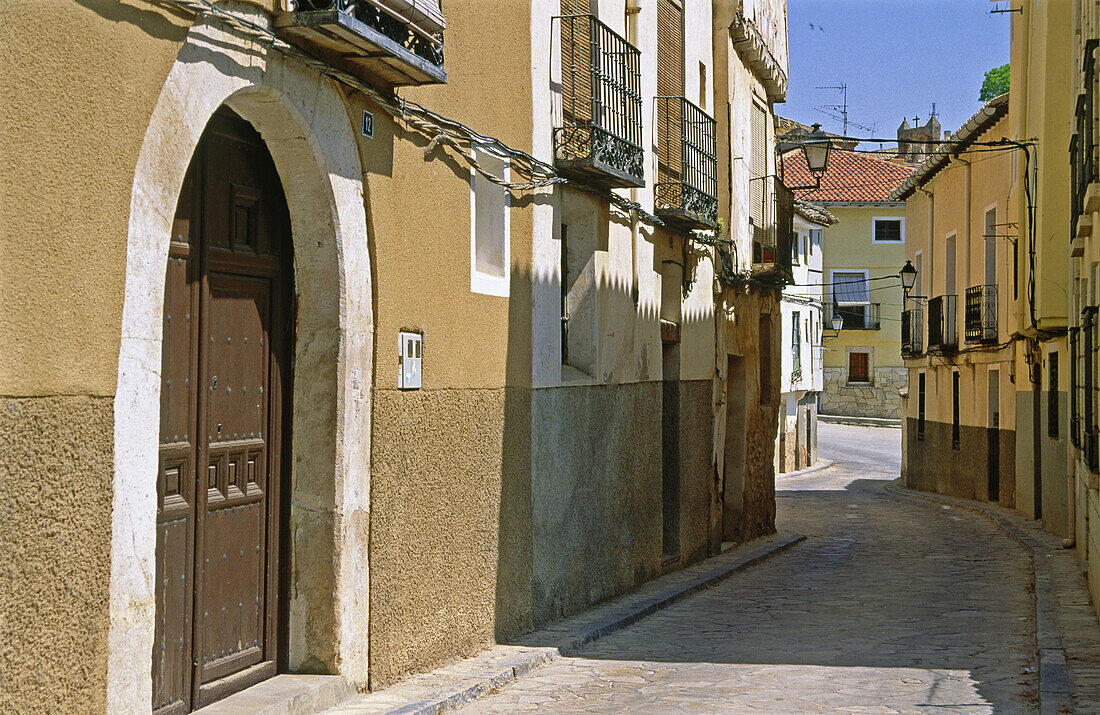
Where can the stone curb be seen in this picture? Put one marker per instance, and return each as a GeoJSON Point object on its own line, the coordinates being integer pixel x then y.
{"type": "Point", "coordinates": [453, 686]}
{"type": "Point", "coordinates": [809, 470]}
{"type": "Point", "coordinates": [859, 421]}
{"type": "Point", "coordinates": [1055, 694]}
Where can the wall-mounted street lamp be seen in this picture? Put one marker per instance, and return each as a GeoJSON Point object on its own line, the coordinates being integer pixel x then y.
{"type": "Point", "coordinates": [908, 279]}
{"type": "Point", "coordinates": [837, 324]}
{"type": "Point", "coordinates": [816, 147]}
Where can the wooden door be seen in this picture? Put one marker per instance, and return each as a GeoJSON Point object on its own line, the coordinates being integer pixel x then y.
{"type": "Point", "coordinates": [228, 332]}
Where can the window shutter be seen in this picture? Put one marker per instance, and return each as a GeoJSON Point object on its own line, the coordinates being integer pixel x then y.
{"type": "Point", "coordinates": [857, 367]}
{"type": "Point", "coordinates": [759, 165]}
{"type": "Point", "coordinates": [576, 62]}
{"type": "Point", "coordinates": [670, 83]}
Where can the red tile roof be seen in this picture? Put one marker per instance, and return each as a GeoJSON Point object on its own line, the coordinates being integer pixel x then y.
{"type": "Point", "coordinates": [851, 176]}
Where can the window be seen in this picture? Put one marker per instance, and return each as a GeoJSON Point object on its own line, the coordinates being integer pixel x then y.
{"type": "Point", "coordinates": [815, 239]}
{"type": "Point", "coordinates": [955, 438]}
{"type": "Point", "coordinates": [888, 230]}
{"type": "Point", "coordinates": [1088, 330]}
{"type": "Point", "coordinates": [489, 230]}
{"type": "Point", "coordinates": [806, 246]}
{"type": "Point", "coordinates": [859, 367]}
{"type": "Point", "coordinates": [796, 343]}
{"type": "Point", "coordinates": [920, 405]}
{"type": "Point", "coordinates": [991, 246]}
{"type": "Point", "coordinates": [851, 298]}
{"type": "Point", "coordinates": [702, 86]}
{"type": "Point", "coordinates": [1074, 384]}
{"type": "Point", "coordinates": [1053, 411]}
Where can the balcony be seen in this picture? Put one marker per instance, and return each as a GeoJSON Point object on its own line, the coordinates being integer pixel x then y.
{"type": "Point", "coordinates": [686, 194]}
{"type": "Point", "coordinates": [600, 139]}
{"type": "Point", "coordinates": [388, 42]}
{"type": "Point", "coordinates": [858, 317]}
{"type": "Point", "coordinates": [943, 331]}
{"type": "Point", "coordinates": [980, 314]}
{"type": "Point", "coordinates": [772, 227]}
{"type": "Point", "coordinates": [1082, 147]}
{"type": "Point", "coordinates": [912, 332]}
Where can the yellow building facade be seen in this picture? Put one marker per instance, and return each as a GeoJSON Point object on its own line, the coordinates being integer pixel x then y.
{"type": "Point", "coordinates": [389, 344]}
{"type": "Point", "coordinates": [959, 319]}
{"type": "Point", "coordinates": [1084, 484]}
{"type": "Point", "coordinates": [1040, 105]}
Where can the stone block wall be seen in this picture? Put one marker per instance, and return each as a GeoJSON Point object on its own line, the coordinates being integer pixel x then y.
{"type": "Point", "coordinates": [876, 399]}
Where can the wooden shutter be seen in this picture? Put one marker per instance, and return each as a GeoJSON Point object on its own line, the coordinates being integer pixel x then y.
{"type": "Point", "coordinates": [576, 62]}
{"type": "Point", "coordinates": [759, 165]}
{"type": "Point", "coordinates": [670, 83]}
{"type": "Point", "coordinates": [857, 367]}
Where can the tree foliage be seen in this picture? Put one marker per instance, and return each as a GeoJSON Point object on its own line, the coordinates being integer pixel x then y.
{"type": "Point", "coordinates": [995, 84]}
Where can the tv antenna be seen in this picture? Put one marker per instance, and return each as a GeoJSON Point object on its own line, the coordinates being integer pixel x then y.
{"type": "Point", "coordinates": [839, 112]}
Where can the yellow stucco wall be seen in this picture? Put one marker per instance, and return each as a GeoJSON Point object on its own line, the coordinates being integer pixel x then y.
{"type": "Point", "coordinates": [66, 174]}
{"type": "Point", "coordinates": [847, 245]}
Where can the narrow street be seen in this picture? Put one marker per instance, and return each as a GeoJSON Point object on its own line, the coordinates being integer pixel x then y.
{"type": "Point", "coordinates": [892, 604]}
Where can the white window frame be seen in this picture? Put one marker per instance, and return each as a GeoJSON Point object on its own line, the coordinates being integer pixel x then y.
{"type": "Point", "coordinates": [874, 232]}
{"type": "Point", "coordinates": [484, 283]}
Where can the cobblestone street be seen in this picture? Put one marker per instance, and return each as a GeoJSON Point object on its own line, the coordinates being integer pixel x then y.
{"type": "Point", "coordinates": [892, 604]}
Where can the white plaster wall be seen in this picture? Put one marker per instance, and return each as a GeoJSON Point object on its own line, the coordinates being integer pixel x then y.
{"type": "Point", "coordinates": [303, 120]}
{"type": "Point", "coordinates": [629, 346]}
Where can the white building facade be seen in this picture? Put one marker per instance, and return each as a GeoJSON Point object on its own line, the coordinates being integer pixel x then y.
{"type": "Point", "coordinates": [801, 379]}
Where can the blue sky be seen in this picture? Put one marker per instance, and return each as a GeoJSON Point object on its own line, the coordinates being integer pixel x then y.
{"type": "Point", "coordinates": [897, 58]}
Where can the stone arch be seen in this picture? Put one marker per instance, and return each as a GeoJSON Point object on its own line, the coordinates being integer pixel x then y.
{"type": "Point", "coordinates": [303, 119]}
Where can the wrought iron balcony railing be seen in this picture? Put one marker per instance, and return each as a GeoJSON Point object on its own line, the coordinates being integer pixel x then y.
{"type": "Point", "coordinates": [393, 42]}
{"type": "Point", "coordinates": [686, 193]}
{"type": "Point", "coordinates": [1082, 147]}
{"type": "Point", "coordinates": [912, 332]}
{"type": "Point", "coordinates": [943, 333]}
{"type": "Point", "coordinates": [858, 317]}
{"type": "Point", "coordinates": [600, 138]}
{"type": "Point", "coordinates": [772, 237]}
{"type": "Point", "coordinates": [980, 314]}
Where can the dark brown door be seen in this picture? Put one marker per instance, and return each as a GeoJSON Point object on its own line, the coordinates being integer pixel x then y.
{"type": "Point", "coordinates": [228, 332]}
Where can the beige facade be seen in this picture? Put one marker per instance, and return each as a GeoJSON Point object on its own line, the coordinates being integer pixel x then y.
{"type": "Point", "coordinates": [1040, 102]}
{"type": "Point", "coordinates": [1084, 280]}
{"type": "Point", "coordinates": [523, 481]}
{"type": "Point", "coordinates": [957, 335]}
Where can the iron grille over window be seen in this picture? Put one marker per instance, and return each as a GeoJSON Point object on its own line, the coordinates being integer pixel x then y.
{"type": "Point", "coordinates": [601, 134]}
{"type": "Point", "coordinates": [1091, 438]}
{"type": "Point", "coordinates": [980, 317]}
{"type": "Point", "coordinates": [1074, 374]}
{"type": "Point", "coordinates": [942, 332]}
{"type": "Point", "coordinates": [687, 164]}
{"type": "Point", "coordinates": [399, 42]}
{"type": "Point", "coordinates": [1082, 147]}
{"type": "Point", "coordinates": [912, 332]}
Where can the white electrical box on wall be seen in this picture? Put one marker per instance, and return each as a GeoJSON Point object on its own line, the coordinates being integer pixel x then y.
{"type": "Point", "coordinates": [408, 353]}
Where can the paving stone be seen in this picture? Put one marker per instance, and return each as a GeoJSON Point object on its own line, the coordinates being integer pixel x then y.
{"type": "Point", "coordinates": [892, 604]}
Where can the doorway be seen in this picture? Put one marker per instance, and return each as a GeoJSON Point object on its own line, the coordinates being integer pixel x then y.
{"type": "Point", "coordinates": [734, 456]}
{"type": "Point", "coordinates": [229, 330]}
{"type": "Point", "coordinates": [994, 431]}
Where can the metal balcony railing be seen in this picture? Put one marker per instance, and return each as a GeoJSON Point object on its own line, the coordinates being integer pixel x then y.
{"type": "Point", "coordinates": [980, 314]}
{"type": "Point", "coordinates": [686, 192]}
{"type": "Point", "coordinates": [392, 42]}
{"type": "Point", "coordinates": [943, 331]}
{"type": "Point", "coordinates": [1082, 147]}
{"type": "Point", "coordinates": [912, 332]}
{"type": "Point", "coordinates": [858, 317]}
{"type": "Point", "coordinates": [772, 238]}
{"type": "Point", "coordinates": [600, 138]}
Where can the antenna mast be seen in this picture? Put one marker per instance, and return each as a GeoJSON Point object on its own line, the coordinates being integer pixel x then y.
{"type": "Point", "coordinates": [842, 107]}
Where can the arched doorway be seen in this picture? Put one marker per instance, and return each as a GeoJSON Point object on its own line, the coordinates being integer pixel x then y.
{"type": "Point", "coordinates": [229, 331]}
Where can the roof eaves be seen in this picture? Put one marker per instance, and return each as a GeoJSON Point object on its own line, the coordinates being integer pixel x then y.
{"type": "Point", "coordinates": [974, 127]}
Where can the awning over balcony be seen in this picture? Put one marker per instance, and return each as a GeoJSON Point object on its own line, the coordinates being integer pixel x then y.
{"type": "Point", "coordinates": [850, 289]}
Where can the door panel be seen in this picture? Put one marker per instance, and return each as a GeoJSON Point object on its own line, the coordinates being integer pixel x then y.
{"type": "Point", "coordinates": [234, 537]}
{"type": "Point", "coordinates": [228, 283]}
